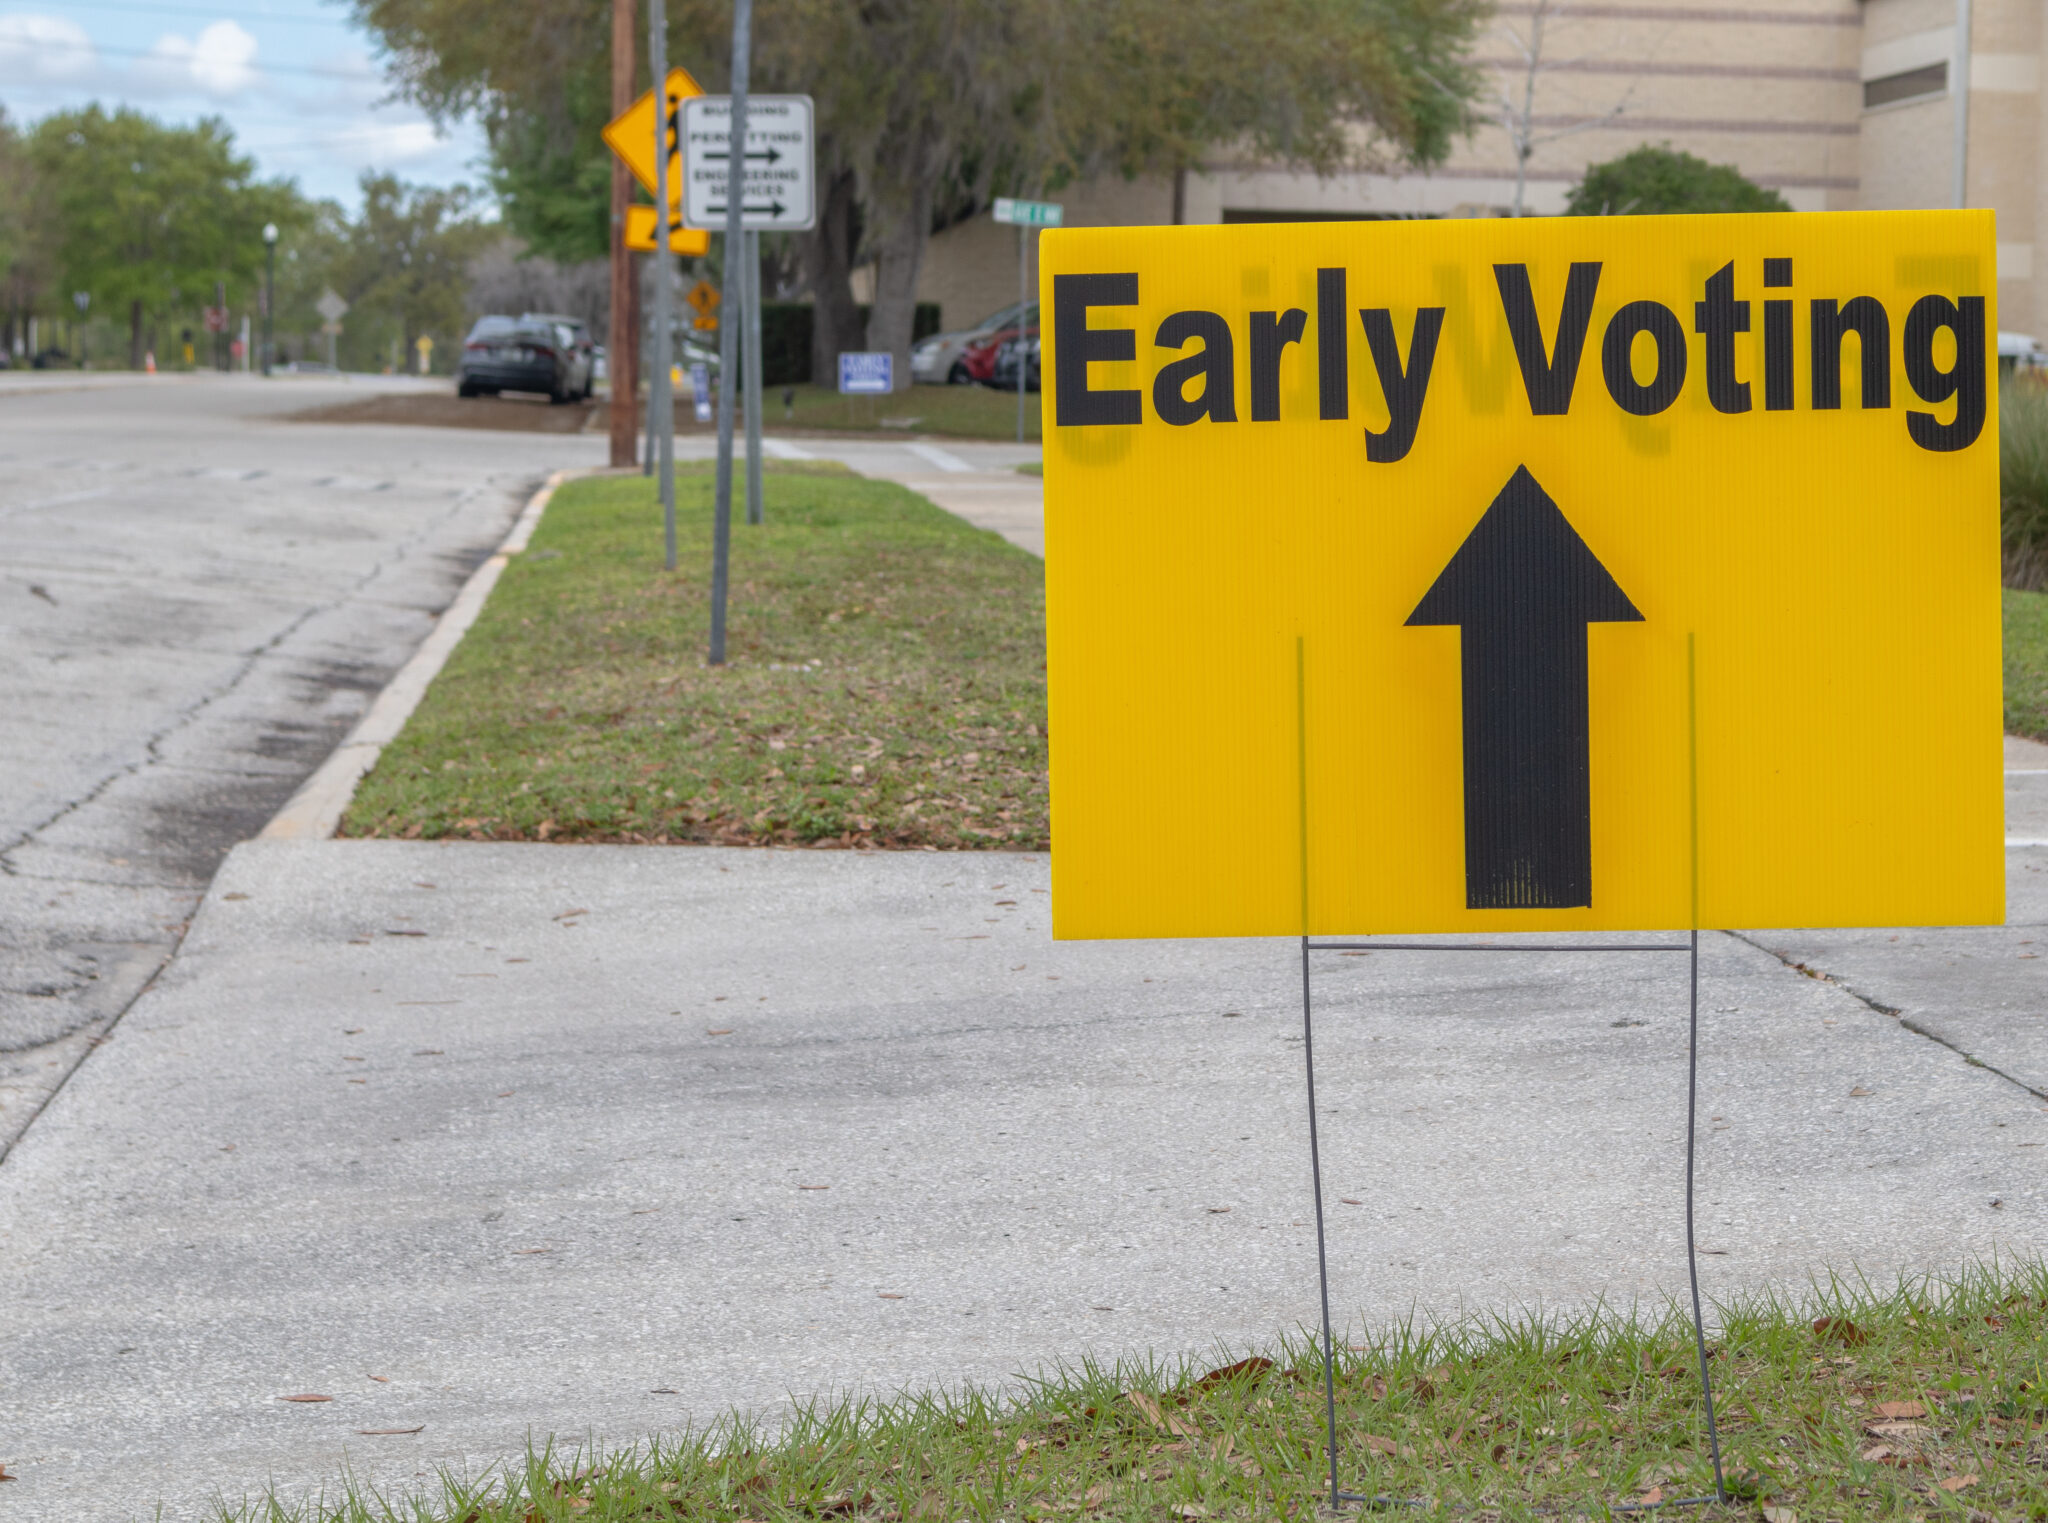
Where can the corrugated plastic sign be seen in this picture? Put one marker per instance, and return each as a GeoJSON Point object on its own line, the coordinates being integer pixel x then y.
{"type": "Point", "coordinates": [1564, 573]}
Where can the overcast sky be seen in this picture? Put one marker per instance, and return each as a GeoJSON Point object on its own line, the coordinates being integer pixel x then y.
{"type": "Point", "coordinates": [294, 80]}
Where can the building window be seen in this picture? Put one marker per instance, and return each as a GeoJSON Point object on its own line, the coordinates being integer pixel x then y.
{"type": "Point", "coordinates": [1914, 84]}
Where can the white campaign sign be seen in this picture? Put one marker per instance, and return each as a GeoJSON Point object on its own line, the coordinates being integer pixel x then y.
{"type": "Point", "coordinates": [780, 163]}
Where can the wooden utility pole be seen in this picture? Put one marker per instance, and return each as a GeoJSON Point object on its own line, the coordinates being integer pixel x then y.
{"type": "Point", "coordinates": [623, 345]}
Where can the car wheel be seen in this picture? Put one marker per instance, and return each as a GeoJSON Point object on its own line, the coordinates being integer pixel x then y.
{"type": "Point", "coordinates": [958, 375]}
{"type": "Point", "coordinates": [465, 390]}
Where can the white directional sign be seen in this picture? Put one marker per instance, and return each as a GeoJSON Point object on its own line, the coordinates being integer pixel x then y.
{"type": "Point", "coordinates": [780, 161]}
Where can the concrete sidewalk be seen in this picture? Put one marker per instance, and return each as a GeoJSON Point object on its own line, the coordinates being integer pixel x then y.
{"type": "Point", "coordinates": [975, 480]}
{"type": "Point", "coordinates": [593, 1140]}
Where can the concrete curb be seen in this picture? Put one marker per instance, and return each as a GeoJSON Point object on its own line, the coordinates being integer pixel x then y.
{"type": "Point", "coordinates": [314, 812]}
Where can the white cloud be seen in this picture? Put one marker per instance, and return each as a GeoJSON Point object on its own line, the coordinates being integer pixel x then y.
{"type": "Point", "coordinates": [44, 49]}
{"type": "Point", "coordinates": [221, 61]}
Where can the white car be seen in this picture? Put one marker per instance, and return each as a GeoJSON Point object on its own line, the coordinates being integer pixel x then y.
{"type": "Point", "coordinates": [938, 360]}
{"type": "Point", "coordinates": [2020, 351]}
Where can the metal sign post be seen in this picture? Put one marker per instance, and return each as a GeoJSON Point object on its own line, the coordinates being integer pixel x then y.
{"type": "Point", "coordinates": [729, 335]}
{"type": "Point", "coordinates": [1026, 215]}
{"type": "Point", "coordinates": [661, 404]}
{"type": "Point", "coordinates": [750, 289]}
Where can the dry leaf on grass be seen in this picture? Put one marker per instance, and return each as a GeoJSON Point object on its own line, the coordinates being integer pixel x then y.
{"type": "Point", "coordinates": [1957, 1482]}
{"type": "Point", "coordinates": [1900, 1409]}
{"type": "Point", "coordinates": [1216, 1377]}
{"type": "Point", "coordinates": [1841, 1330]}
{"type": "Point", "coordinates": [1651, 1497]}
{"type": "Point", "coordinates": [1380, 1445]}
{"type": "Point", "coordinates": [932, 1505]}
{"type": "Point", "coordinates": [1191, 1510]}
{"type": "Point", "coordinates": [1780, 1515]}
{"type": "Point", "coordinates": [1098, 1494]}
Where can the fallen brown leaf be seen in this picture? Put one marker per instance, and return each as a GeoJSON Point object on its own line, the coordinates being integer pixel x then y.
{"type": "Point", "coordinates": [387, 1432]}
{"type": "Point", "coordinates": [1191, 1510]}
{"type": "Point", "coordinates": [307, 1396]}
{"type": "Point", "coordinates": [1957, 1482]}
{"type": "Point", "coordinates": [1380, 1445]}
{"type": "Point", "coordinates": [1901, 1409]}
{"type": "Point", "coordinates": [886, 1295]}
{"type": "Point", "coordinates": [4, 1476]}
{"type": "Point", "coordinates": [1841, 1329]}
{"type": "Point", "coordinates": [1651, 1497]}
{"type": "Point", "coordinates": [1098, 1494]}
{"type": "Point", "coordinates": [1875, 1454]}
{"type": "Point", "coordinates": [1780, 1515]}
{"type": "Point", "coordinates": [1253, 1366]}
{"type": "Point", "coordinates": [1860, 1093]}
{"type": "Point", "coordinates": [933, 1505]}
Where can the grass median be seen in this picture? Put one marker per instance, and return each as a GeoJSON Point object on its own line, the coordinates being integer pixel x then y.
{"type": "Point", "coordinates": [1923, 1402]}
{"type": "Point", "coordinates": [2026, 663]}
{"type": "Point", "coordinates": [885, 684]}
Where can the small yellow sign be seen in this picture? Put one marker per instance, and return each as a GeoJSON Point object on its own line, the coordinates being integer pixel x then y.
{"type": "Point", "coordinates": [630, 135]}
{"type": "Point", "coordinates": [640, 223]}
{"type": "Point", "coordinates": [1483, 576]}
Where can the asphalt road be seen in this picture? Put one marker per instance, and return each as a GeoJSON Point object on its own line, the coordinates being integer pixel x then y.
{"type": "Point", "coordinates": [196, 601]}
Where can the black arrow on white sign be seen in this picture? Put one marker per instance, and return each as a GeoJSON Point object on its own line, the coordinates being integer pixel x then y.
{"type": "Point", "coordinates": [775, 209]}
{"type": "Point", "coordinates": [1522, 589]}
{"type": "Point", "coordinates": [767, 155]}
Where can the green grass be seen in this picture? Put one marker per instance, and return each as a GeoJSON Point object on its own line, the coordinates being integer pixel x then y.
{"type": "Point", "coordinates": [964, 412]}
{"type": "Point", "coordinates": [885, 683]}
{"type": "Point", "coordinates": [1031, 468]}
{"type": "Point", "coordinates": [2026, 663]}
{"type": "Point", "coordinates": [1925, 1402]}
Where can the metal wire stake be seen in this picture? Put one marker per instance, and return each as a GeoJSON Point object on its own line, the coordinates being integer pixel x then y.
{"type": "Point", "coordinates": [1692, 1261]}
{"type": "Point", "coordinates": [1315, 1165]}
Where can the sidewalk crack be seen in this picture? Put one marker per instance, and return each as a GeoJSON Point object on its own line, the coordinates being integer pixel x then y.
{"type": "Point", "coordinates": [1895, 1012]}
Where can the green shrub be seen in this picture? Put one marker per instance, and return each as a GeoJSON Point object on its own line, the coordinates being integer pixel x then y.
{"type": "Point", "coordinates": [1648, 180]}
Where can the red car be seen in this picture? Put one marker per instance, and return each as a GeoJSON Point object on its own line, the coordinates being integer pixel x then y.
{"type": "Point", "coordinates": [980, 356]}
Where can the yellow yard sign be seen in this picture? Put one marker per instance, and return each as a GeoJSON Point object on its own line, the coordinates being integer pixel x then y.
{"type": "Point", "coordinates": [630, 135]}
{"type": "Point", "coordinates": [1484, 576]}
{"type": "Point", "coordinates": [681, 240]}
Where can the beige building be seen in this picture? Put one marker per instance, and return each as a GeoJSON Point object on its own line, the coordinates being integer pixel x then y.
{"type": "Point", "coordinates": [1836, 104]}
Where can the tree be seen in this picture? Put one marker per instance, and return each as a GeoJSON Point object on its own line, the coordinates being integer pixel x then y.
{"type": "Point", "coordinates": [405, 260]}
{"type": "Point", "coordinates": [24, 233]}
{"type": "Point", "coordinates": [1518, 118]}
{"type": "Point", "coordinates": [1648, 179]}
{"type": "Point", "coordinates": [927, 106]}
{"type": "Point", "coordinates": [148, 217]}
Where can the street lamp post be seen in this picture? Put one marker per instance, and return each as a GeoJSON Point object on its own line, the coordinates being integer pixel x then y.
{"type": "Point", "coordinates": [269, 288]}
{"type": "Point", "coordinates": [81, 300]}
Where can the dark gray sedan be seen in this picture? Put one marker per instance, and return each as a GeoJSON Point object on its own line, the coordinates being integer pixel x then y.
{"type": "Point", "coordinates": [521, 354]}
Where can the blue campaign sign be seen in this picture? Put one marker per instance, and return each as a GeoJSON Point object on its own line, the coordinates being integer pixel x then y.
{"type": "Point", "coordinates": [862, 374]}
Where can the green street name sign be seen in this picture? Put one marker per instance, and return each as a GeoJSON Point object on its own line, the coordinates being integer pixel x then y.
{"type": "Point", "coordinates": [1027, 213]}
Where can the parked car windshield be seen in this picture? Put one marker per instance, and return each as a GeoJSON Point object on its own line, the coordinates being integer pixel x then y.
{"type": "Point", "coordinates": [492, 327]}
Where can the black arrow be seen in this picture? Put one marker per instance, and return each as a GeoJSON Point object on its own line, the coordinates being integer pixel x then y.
{"type": "Point", "coordinates": [771, 155]}
{"type": "Point", "coordinates": [1522, 588]}
{"type": "Point", "coordinates": [774, 209]}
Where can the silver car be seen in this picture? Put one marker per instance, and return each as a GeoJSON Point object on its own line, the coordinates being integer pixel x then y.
{"type": "Point", "coordinates": [940, 359]}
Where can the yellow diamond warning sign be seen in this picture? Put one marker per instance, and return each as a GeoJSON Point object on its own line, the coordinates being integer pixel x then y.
{"type": "Point", "coordinates": [630, 135]}
{"type": "Point", "coordinates": [1622, 572]}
